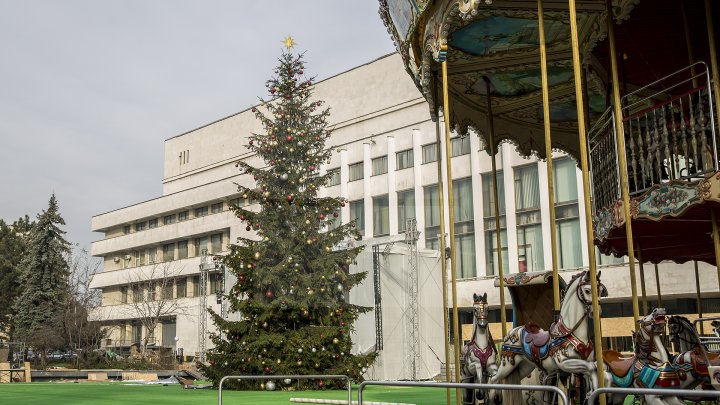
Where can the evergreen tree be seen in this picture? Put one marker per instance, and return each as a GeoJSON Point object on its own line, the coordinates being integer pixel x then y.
{"type": "Point", "coordinates": [43, 280]}
{"type": "Point", "coordinates": [292, 281]}
{"type": "Point", "coordinates": [12, 250]}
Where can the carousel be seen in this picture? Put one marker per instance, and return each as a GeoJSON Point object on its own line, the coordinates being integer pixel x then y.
{"type": "Point", "coordinates": [629, 89]}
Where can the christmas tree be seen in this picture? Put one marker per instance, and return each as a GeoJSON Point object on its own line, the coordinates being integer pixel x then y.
{"type": "Point", "coordinates": [293, 281]}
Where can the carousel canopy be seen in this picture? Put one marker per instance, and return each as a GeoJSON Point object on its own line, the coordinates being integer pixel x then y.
{"type": "Point", "coordinates": [497, 40]}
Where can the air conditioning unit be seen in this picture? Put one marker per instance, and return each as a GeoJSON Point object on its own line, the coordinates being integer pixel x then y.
{"type": "Point", "coordinates": [128, 257]}
{"type": "Point", "coordinates": [116, 259]}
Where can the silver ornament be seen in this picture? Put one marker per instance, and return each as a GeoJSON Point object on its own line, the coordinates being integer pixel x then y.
{"type": "Point", "coordinates": [270, 386]}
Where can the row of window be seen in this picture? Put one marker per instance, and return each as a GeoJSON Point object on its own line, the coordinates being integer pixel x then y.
{"type": "Point", "coordinates": [172, 218]}
{"type": "Point", "coordinates": [168, 289]}
{"type": "Point", "coordinates": [527, 215]}
{"type": "Point", "coordinates": [403, 160]}
{"type": "Point", "coordinates": [176, 251]}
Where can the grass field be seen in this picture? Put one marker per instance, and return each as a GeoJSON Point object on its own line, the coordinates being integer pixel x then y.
{"type": "Point", "coordinates": [126, 394]}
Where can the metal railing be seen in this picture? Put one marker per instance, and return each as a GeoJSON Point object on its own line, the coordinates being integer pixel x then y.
{"type": "Point", "coordinates": [284, 377]}
{"type": "Point", "coordinates": [670, 133]}
{"type": "Point", "coordinates": [511, 387]}
{"type": "Point", "coordinates": [652, 391]}
{"type": "Point", "coordinates": [604, 161]}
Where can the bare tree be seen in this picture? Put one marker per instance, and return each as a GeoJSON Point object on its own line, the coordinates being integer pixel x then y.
{"type": "Point", "coordinates": [152, 298]}
{"type": "Point", "coordinates": [79, 332]}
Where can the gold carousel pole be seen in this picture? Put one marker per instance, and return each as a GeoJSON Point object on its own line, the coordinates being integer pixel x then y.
{"type": "Point", "coordinates": [586, 191]}
{"type": "Point", "coordinates": [622, 161]}
{"type": "Point", "coordinates": [549, 159]}
{"type": "Point", "coordinates": [443, 262]}
{"type": "Point", "coordinates": [451, 218]}
{"type": "Point", "coordinates": [716, 89]}
{"type": "Point", "coordinates": [657, 286]}
{"type": "Point", "coordinates": [498, 236]}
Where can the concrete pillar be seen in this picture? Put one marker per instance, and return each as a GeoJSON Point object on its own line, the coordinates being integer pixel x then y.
{"type": "Point", "coordinates": [392, 194]}
{"type": "Point", "coordinates": [510, 219]}
{"type": "Point", "coordinates": [28, 372]}
{"type": "Point", "coordinates": [4, 373]}
{"type": "Point", "coordinates": [418, 187]}
{"type": "Point", "coordinates": [545, 214]}
{"type": "Point", "coordinates": [367, 172]}
{"type": "Point", "coordinates": [581, 206]}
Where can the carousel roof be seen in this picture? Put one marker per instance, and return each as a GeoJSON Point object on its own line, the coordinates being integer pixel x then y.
{"type": "Point", "coordinates": [498, 39]}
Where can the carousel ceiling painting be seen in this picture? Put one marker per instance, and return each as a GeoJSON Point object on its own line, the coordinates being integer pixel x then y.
{"type": "Point", "coordinates": [499, 42]}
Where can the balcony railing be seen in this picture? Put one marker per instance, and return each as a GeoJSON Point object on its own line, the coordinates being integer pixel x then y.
{"type": "Point", "coordinates": [670, 134]}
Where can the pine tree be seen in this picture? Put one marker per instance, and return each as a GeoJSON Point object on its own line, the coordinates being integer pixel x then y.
{"type": "Point", "coordinates": [292, 280]}
{"type": "Point", "coordinates": [13, 242]}
{"type": "Point", "coordinates": [43, 279]}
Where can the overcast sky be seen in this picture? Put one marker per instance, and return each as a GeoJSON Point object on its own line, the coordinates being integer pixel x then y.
{"type": "Point", "coordinates": [90, 89]}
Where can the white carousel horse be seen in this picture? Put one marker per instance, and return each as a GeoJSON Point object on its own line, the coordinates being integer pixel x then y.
{"type": "Point", "coordinates": [567, 347]}
{"type": "Point", "coordinates": [649, 367]}
{"type": "Point", "coordinates": [691, 363]}
{"type": "Point", "coordinates": [479, 353]}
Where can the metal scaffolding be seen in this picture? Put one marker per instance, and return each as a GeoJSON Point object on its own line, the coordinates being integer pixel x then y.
{"type": "Point", "coordinates": [411, 237]}
{"type": "Point", "coordinates": [202, 313]}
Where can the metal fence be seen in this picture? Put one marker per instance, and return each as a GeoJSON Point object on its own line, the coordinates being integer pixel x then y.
{"type": "Point", "coordinates": [653, 391]}
{"type": "Point", "coordinates": [283, 377]}
{"type": "Point", "coordinates": [511, 387]}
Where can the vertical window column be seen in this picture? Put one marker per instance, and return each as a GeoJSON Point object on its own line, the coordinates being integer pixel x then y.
{"type": "Point", "coordinates": [567, 215]}
{"type": "Point", "coordinates": [464, 228]}
{"type": "Point", "coordinates": [508, 179]}
{"type": "Point", "coordinates": [431, 203]}
{"type": "Point", "coordinates": [367, 196]}
{"type": "Point", "coordinates": [491, 247]}
{"type": "Point", "coordinates": [344, 211]}
{"type": "Point", "coordinates": [529, 223]}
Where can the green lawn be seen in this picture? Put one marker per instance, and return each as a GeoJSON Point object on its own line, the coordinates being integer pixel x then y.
{"type": "Point", "coordinates": [124, 394]}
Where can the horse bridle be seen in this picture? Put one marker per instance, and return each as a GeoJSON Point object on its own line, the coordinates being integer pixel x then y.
{"type": "Point", "coordinates": [480, 310]}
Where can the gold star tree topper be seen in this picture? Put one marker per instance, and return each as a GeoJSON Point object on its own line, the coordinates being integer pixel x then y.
{"type": "Point", "coordinates": [289, 42]}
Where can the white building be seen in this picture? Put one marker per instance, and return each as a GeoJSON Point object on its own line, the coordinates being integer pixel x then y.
{"type": "Point", "coordinates": [385, 162]}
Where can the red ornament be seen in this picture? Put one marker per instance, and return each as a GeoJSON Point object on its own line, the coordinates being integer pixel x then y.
{"type": "Point", "coordinates": [267, 369]}
{"type": "Point", "coordinates": [247, 228]}
{"type": "Point", "coordinates": [250, 142]}
{"type": "Point", "coordinates": [242, 217]}
{"type": "Point", "coordinates": [257, 226]}
{"type": "Point", "coordinates": [241, 277]}
{"type": "Point", "coordinates": [254, 109]}
{"type": "Point", "coordinates": [312, 168]}
{"type": "Point", "coordinates": [321, 383]}
{"type": "Point", "coordinates": [290, 198]}
{"type": "Point", "coordinates": [335, 214]}
{"type": "Point", "coordinates": [269, 294]}
{"type": "Point", "coordinates": [342, 204]}
{"type": "Point", "coordinates": [289, 138]}
{"type": "Point", "coordinates": [342, 323]}
{"type": "Point", "coordinates": [340, 310]}
{"type": "Point", "coordinates": [322, 216]}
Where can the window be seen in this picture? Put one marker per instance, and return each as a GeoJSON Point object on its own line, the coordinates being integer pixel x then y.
{"type": "Point", "coordinates": [432, 216]}
{"type": "Point", "coordinates": [201, 211]}
{"type": "Point", "coordinates": [169, 219]}
{"type": "Point", "coordinates": [357, 214]}
{"type": "Point", "coordinates": [126, 229]}
{"type": "Point", "coordinates": [460, 145]}
{"type": "Point", "coordinates": [429, 153]}
{"type": "Point", "coordinates": [333, 177]}
{"type": "Point", "coordinates": [167, 289]}
{"type": "Point", "coordinates": [153, 223]}
{"type": "Point", "coordinates": [216, 243]}
{"type": "Point", "coordinates": [215, 283]}
{"type": "Point", "coordinates": [152, 255]}
{"type": "Point", "coordinates": [356, 171]}
{"type": "Point", "coordinates": [404, 159]}
{"type": "Point", "coordinates": [200, 245]}
{"type": "Point", "coordinates": [182, 247]}
{"type": "Point", "coordinates": [123, 295]}
{"type": "Point", "coordinates": [137, 294]}
{"type": "Point", "coordinates": [379, 165]}
{"type": "Point", "coordinates": [527, 213]}
{"type": "Point", "coordinates": [196, 286]}
{"type": "Point", "coordinates": [491, 247]}
{"type": "Point", "coordinates": [381, 215]}
{"type": "Point", "coordinates": [567, 214]}
{"type": "Point", "coordinates": [406, 208]}
{"type": "Point", "coordinates": [181, 287]}
{"type": "Point", "coordinates": [182, 216]}
{"type": "Point", "coordinates": [217, 207]}
{"type": "Point", "coordinates": [169, 252]}
{"type": "Point", "coordinates": [140, 226]}
{"type": "Point", "coordinates": [464, 228]}
{"type": "Point", "coordinates": [607, 260]}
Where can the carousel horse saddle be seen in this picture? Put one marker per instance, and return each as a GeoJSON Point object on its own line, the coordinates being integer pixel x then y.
{"type": "Point", "coordinates": [535, 335]}
{"type": "Point", "coordinates": [618, 364]}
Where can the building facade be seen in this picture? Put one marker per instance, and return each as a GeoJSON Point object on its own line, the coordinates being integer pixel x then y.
{"type": "Point", "coordinates": [384, 163]}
